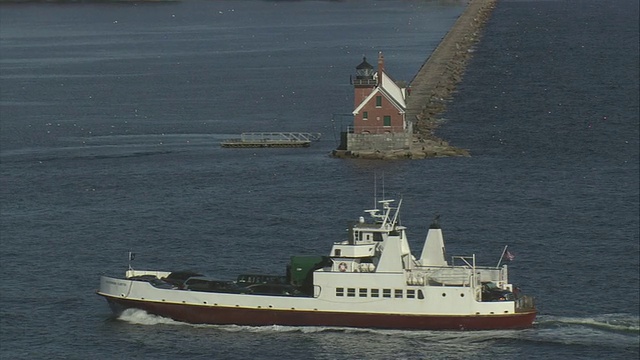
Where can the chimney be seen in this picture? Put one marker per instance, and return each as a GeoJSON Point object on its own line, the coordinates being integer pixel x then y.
{"type": "Point", "coordinates": [380, 64]}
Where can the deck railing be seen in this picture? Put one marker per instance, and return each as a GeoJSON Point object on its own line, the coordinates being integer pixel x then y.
{"type": "Point", "coordinates": [444, 276]}
{"type": "Point", "coordinates": [279, 136]}
{"type": "Point", "coordinates": [525, 303]}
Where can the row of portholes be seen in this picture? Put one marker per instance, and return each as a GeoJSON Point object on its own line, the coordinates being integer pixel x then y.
{"type": "Point", "coordinates": [445, 294]}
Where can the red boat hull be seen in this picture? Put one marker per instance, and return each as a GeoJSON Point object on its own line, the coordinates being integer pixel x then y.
{"type": "Point", "coordinates": [221, 315]}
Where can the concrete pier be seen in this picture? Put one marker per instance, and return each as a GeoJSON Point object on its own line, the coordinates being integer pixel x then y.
{"type": "Point", "coordinates": [271, 140]}
{"type": "Point", "coordinates": [434, 85]}
{"type": "Point", "coordinates": [437, 78]}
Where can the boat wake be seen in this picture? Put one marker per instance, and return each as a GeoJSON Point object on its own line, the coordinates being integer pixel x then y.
{"type": "Point", "coordinates": [623, 323]}
{"type": "Point", "coordinates": [606, 330]}
{"type": "Point", "coordinates": [113, 146]}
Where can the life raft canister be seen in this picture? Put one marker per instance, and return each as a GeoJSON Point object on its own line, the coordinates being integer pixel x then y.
{"type": "Point", "coordinates": [343, 267]}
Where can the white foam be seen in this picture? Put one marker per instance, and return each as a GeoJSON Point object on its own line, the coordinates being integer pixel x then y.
{"type": "Point", "coordinates": [614, 322]}
{"type": "Point", "coordinates": [141, 317]}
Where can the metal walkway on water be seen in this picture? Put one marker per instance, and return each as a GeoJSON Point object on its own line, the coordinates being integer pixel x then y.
{"type": "Point", "coordinates": [272, 139]}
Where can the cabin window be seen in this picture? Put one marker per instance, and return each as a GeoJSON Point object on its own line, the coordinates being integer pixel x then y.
{"type": "Point", "coordinates": [338, 252]}
{"type": "Point", "coordinates": [375, 292]}
{"type": "Point", "coordinates": [365, 115]}
{"type": "Point", "coordinates": [368, 237]}
{"type": "Point", "coordinates": [387, 120]}
{"type": "Point", "coordinates": [339, 291]}
{"type": "Point", "coordinates": [377, 236]}
{"type": "Point", "coordinates": [420, 295]}
{"type": "Point", "coordinates": [351, 292]}
{"type": "Point", "coordinates": [386, 293]}
{"type": "Point", "coordinates": [398, 294]}
{"type": "Point", "coordinates": [378, 101]}
{"type": "Point", "coordinates": [411, 294]}
{"type": "Point", "coordinates": [363, 292]}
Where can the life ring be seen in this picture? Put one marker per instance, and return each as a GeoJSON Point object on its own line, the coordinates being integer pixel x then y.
{"type": "Point", "coordinates": [343, 267]}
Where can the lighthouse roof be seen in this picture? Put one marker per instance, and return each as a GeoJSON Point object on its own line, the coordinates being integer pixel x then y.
{"type": "Point", "coordinates": [364, 64]}
{"type": "Point", "coordinates": [390, 90]}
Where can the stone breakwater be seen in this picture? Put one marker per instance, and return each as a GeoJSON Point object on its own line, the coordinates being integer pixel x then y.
{"type": "Point", "coordinates": [433, 87]}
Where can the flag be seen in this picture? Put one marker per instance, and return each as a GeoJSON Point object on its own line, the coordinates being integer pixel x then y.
{"type": "Point", "coordinates": [509, 256]}
{"type": "Point", "coordinates": [132, 256]}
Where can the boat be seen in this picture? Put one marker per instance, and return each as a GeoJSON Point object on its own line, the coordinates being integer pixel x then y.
{"type": "Point", "coordinates": [368, 280]}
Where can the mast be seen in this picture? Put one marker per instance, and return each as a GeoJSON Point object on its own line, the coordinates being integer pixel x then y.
{"type": "Point", "coordinates": [375, 191]}
{"type": "Point", "coordinates": [395, 216]}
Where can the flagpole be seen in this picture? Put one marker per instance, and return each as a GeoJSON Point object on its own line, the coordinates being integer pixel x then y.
{"type": "Point", "coordinates": [131, 255]}
{"type": "Point", "coordinates": [502, 256]}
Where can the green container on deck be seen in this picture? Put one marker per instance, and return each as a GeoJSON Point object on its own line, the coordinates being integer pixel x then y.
{"type": "Point", "coordinates": [301, 268]}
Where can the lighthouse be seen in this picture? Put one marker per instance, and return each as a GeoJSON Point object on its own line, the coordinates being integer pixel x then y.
{"type": "Point", "coordinates": [379, 103]}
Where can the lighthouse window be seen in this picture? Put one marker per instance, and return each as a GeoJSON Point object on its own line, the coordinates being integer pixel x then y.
{"type": "Point", "coordinates": [411, 294]}
{"type": "Point", "coordinates": [363, 292]}
{"type": "Point", "coordinates": [365, 115]}
{"type": "Point", "coordinates": [398, 294]}
{"type": "Point", "coordinates": [351, 292]}
{"type": "Point", "coordinates": [387, 120]}
{"type": "Point", "coordinates": [378, 101]}
{"type": "Point", "coordinates": [375, 292]}
{"type": "Point", "coordinates": [386, 293]}
{"type": "Point", "coordinates": [339, 291]}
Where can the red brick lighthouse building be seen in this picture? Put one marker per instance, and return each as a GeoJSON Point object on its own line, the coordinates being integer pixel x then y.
{"type": "Point", "coordinates": [379, 103]}
{"type": "Point", "coordinates": [379, 115]}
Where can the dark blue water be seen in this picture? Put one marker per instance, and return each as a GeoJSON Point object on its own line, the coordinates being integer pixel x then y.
{"type": "Point", "coordinates": [111, 117]}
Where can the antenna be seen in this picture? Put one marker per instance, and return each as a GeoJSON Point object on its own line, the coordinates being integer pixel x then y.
{"type": "Point", "coordinates": [383, 196]}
